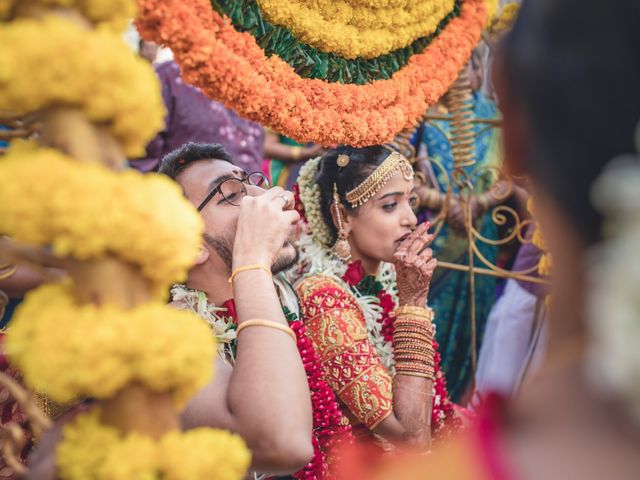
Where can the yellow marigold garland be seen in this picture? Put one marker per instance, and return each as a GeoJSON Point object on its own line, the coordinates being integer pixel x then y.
{"type": "Point", "coordinates": [114, 13]}
{"type": "Point", "coordinates": [69, 350]}
{"type": "Point", "coordinates": [351, 31]}
{"type": "Point", "coordinates": [503, 22]}
{"type": "Point", "coordinates": [91, 450]}
{"type": "Point", "coordinates": [380, 3]}
{"type": "Point", "coordinates": [55, 62]}
{"type": "Point", "coordinates": [87, 211]}
{"type": "Point", "coordinates": [492, 7]}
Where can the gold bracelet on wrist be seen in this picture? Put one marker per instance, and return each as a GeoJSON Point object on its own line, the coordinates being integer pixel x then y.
{"type": "Point", "coordinates": [268, 324]}
{"type": "Point", "coordinates": [414, 311]}
{"type": "Point", "coordinates": [428, 376]}
{"type": "Point", "coordinates": [247, 268]}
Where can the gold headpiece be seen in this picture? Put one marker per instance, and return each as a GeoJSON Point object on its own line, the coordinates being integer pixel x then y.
{"type": "Point", "coordinates": [380, 176]}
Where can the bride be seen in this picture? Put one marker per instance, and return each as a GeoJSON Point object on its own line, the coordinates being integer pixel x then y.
{"type": "Point", "coordinates": [363, 284]}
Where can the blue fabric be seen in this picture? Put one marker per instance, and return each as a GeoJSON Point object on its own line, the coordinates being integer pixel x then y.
{"type": "Point", "coordinates": [4, 143]}
{"type": "Point", "coordinates": [9, 311]}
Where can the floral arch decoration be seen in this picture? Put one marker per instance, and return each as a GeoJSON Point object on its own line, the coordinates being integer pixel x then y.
{"type": "Point", "coordinates": [353, 72]}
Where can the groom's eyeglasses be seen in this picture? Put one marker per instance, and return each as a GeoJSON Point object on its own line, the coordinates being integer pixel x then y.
{"type": "Point", "coordinates": [233, 190]}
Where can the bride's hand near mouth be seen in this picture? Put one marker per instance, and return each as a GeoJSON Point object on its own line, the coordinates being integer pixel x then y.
{"type": "Point", "coordinates": [415, 264]}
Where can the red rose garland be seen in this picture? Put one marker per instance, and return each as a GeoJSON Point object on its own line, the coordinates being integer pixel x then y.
{"type": "Point", "coordinates": [331, 430]}
{"type": "Point", "coordinates": [355, 274]}
{"type": "Point", "coordinates": [329, 424]}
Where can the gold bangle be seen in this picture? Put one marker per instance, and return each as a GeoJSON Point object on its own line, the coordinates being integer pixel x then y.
{"type": "Point", "coordinates": [268, 324]}
{"type": "Point", "coordinates": [413, 311]}
{"type": "Point", "coordinates": [427, 376]}
{"type": "Point", "coordinates": [406, 327]}
{"type": "Point", "coordinates": [249, 267]}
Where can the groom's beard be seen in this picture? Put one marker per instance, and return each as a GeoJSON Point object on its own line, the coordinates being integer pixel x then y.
{"type": "Point", "coordinates": [223, 246]}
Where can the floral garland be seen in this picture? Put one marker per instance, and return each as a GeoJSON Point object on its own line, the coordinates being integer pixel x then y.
{"type": "Point", "coordinates": [69, 349]}
{"type": "Point", "coordinates": [331, 430]}
{"type": "Point", "coordinates": [222, 326]}
{"type": "Point", "coordinates": [110, 85]}
{"type": "Point", "coordinates": [88, 211]}
{"type": "Point", "coordinates": [91, 450]}
{"type": "Point", "coordinates": [113, 13]}
{"type": "Point", "coordinates": [229, 66]}
{"type": "Point", "coordinates": [356, 31]}
{"type": "Point", "coordinates": [309, 195]}
{"type": "Point", "coordinates": [310, 62]}
{"type": "Point", "coordinates": [380, 3]}
{"type": "Point", "coordinates": [168, 350]}
{"type": "Point", "coordinates": [613, 366]}
{"type": "Point", "coordinates": [505, 20]}
{"type": "Point", "coordinates": [492, 7]}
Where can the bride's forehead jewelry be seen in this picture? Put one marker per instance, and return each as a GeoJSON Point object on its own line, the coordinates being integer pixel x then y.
{"type": "Point", "coordinates": [380, 176]}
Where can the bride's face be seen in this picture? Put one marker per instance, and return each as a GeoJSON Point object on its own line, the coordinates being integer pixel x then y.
{"type": "Point", "coordinates": [377, 228]}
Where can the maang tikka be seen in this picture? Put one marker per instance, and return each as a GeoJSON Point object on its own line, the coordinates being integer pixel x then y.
{"type": "Point", "coordinates": [341, 248]}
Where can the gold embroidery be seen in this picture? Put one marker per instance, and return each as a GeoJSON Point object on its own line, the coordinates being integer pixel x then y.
{"type": "Point", "coordinates": [336, 327]}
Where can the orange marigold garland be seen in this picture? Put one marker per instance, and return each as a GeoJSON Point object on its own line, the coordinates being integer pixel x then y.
{"type": "Point", "coordinates": [229, 66]}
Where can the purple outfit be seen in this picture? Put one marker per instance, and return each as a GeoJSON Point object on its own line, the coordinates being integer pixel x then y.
{"type": "Point", "coordinates": [528, 257]}
{"type": "Point", "coordinates": [192, 117]}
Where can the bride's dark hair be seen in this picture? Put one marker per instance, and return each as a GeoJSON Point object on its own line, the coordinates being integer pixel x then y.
{"type": "Point", "coordinates": [362, 163]}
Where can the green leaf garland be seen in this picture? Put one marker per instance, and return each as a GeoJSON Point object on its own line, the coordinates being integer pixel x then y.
{"type": "Point", "coordinates": [310, 62]}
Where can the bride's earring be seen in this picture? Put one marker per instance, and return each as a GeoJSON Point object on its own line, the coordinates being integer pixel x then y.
{"type": "Point", "coordinates": [342, 248]}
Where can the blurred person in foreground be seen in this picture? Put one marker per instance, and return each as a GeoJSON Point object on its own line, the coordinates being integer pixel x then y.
{"type": "Point", "coordinates": [567, 77]}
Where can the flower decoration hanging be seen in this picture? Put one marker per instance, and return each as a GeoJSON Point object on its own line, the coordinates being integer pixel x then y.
{"type": "Point", "coordinates": [111, 13]}
{"type": "Point", "coordinates": [230, 66]}
{"type": "Point", "coordinates": [168, 350]}
{"type": "Point", "coordinates": [87, 211]}
{"type": "Point", "coordinates": [102, 78]}
{"type": "Point", "coordinates": [356, 30]}
{"type": "Point", "coordinates": [310, 62]}
{"type": "Point", "coordinates": [91, 450]}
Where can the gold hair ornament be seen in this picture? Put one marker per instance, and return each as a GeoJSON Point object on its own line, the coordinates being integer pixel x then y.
{"type": "Point", "coordinates": [380, 176]}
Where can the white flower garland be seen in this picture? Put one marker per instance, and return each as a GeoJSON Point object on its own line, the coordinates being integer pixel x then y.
{"type": "Point", "coordinates": [222, 326]}
{"type": "Point", "coordinates": [614, 309]}
{"type": "Point", "coordinates": [196, 301]}
{"type": "Point", "coordinates": [310, 196]}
